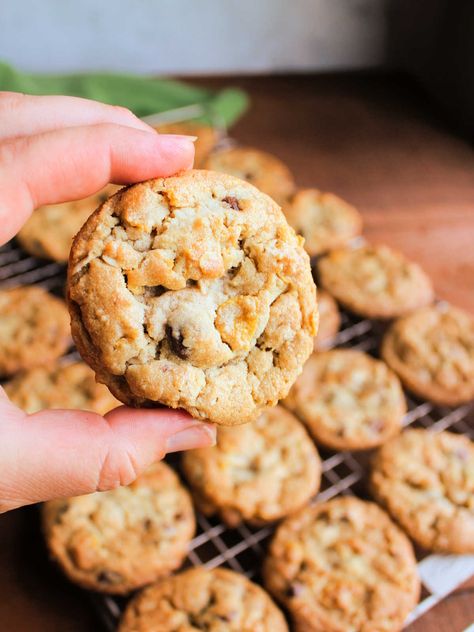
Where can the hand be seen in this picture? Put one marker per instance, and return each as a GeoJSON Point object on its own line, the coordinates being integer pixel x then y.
{"type": "Point", "coordinates": [55, 149]}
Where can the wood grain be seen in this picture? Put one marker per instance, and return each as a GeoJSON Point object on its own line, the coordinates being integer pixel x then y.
{"type": "Point", "coordinates": [377, 142]}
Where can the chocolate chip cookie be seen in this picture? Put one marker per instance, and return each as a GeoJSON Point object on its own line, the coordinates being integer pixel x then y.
{"type": "Point", "coordinates": [120, 540]}
{"type": "Point", "coordinates": [343, 565]}
{"type": "Point", "coordinates": [34, 328]}
{"type": "Point", "coordinates": [426, 481]}
{"type": "Point", "coordinates": [72, 386]}
{"type": "Point", "coordinates": [432, 350]}
{"type": "Point", "coordinates": [207, 137]}
{"type": "Point", "coordinates": [329, 320]}
{"type": "Point", "coordinates": [375, 281]}
{"type": "Point", "coordinates": [193, 292]}
{"type": "Point", "coordinates": [49, 232]}
{"type": "Point", "coordinates": [259, 473]}
{"type": "Point", "coordinates": [323, 219]}
{"type": "Point", "coordinates": [348, 400]}
{"type": "Point", "coordinates": [268, 173]}
{"type": "Point", "coordinates": [215, 600]}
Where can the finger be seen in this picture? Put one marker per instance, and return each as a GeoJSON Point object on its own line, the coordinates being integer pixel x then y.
{"type": "Point", "coordinates": [25, 115]}
{"type": "Point", "coordinates": [73, 163]}
{"type": "Point", "coordinates": [60, 453]}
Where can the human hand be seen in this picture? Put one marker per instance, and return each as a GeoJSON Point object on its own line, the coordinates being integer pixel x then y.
{"type": "Point", "coordinates": [55, 149]}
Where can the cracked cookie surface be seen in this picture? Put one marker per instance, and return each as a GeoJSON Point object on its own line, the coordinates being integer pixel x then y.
{"type": "Point", "coordinates": [193, 292]}
{"type": "Point", "coordinates": [72, 387]}
{"type": "Point", "coordinates": [426, 481]}
{"type": "Point", "coordinates": [34, 328]}
{"type": "Point", "coordinates": [375, 281]}
{"type": "Point", "coordinates": [49, 232]}
{"type": "Point", "coordinates": [120, 540]}
{"type": "Point", "coordinates": [265, 171]}
{"type": "Point", "coordinates": [258, 473]}
{"type": "Point", "coordinates": [348, 400]}
{"type": "Point", "coordinates": [323, 219]}
{"type": "Point", "coordinates": [215, 600]}
{"type": "Point", "coordinates": [432, 351]}
{"type": "Point", "coordinates": [329, 320]}
{"type": "Point", "coordinates": [343, 566]}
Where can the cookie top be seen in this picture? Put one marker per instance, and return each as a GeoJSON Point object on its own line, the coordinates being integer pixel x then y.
{"type": "Point", "coordinates": [49, 231]}
{"type": "Point", "coordinates": [323, 219]}
{"type": "Point", "coordinates": [329, 320]}
{"type": "Point", "coordinates": [265, 171]}
{"type": "Point", "coordinates": [119, 540]}
{"type": "Point", "coordinates": [426, 481]}
{"type": "Point", "coordinates": [432, 350]}
{"type": "Point", "coordinates": [193, 292]}
{"type": "Point", "coordinates": [34, 328]}
{"type": "Point", "coordinates": [348, 400]}
{"type": "Point", "coordinates": [215, 600]}
{"type": "Point", "coordinates": [72, 386]}
{"type": "Point", "coordinates": [258, 473]}
{"type": "Point", "coordinates": [343, 565]}
{"type": "Point", "coordinates": [375, 281]}
{"type": "Point", "coordinates": [207, 137]}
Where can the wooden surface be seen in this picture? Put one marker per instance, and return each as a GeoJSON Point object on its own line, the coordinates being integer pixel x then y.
{"type": "Point", "coordinates": [380, 144]}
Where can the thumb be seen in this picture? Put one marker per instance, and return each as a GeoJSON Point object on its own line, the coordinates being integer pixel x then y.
{"type": "Point", "coordinates": [60, 453]}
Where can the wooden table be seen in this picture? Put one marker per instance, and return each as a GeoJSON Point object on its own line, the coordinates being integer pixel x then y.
{"type": "Point", "coordinates": [376, 141]}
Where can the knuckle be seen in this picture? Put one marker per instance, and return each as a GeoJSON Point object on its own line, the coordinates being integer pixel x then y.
{"type": "Point", "coordinates": [9, 101]}
{"type": "Point", "coordinates": [119, 468]}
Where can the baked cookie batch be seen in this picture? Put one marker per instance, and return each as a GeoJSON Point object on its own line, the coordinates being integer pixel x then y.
{"type": "Point", "coordinates": [196, 292]}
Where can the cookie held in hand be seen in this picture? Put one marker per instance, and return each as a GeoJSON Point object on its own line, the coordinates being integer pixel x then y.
{"type": "Point", "coordinates": [193, 292]}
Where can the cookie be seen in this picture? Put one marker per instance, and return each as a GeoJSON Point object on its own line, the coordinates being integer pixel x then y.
{"type": "Point", "coordinates": [323, 219]}
{"type": "Point", "coordinates": [348, 400]}
{"type": "Point", "coordinates": [207, 137]}
{"type": "Point", "coordinates": [268, 173]}
{"type": "Point", "coordinates": [343, 565]}
{"type": "Point", "coordinates": [375, 281]}
{"type": "Point", "coordinates": [193, 292]}
{"type": "Point", "coordinates": [258, 473]}
{"type": "Point", "coordinates": [432, 351]}
{"type": "Point", "coordinates": [215, 600]}
{"type": "Point", "coordinates": [426, 481]}
{"type": "Point", "coordinates": [34, 328]}
{"type": "Point", "coordinates": [72, 387]}
{"type": "Point", "coordinates": [120, 540]}
{"type": "Point", "coordinates": [49, 231]}
{"type": "Point", "coordinates": [329, 320]}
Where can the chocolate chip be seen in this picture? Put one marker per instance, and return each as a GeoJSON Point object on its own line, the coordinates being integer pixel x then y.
{"type": "Point", "coordinates": [176, 343]}
{"type": "Point", "coordinates": [109, 577]}
{"type": "Point", "coordinates": [103, 197]}
{"type": "Point", "coordinates": [147, 524]}
{"type": "Point", "coordinates": [233, 202]}
{"type": "Point", "coordinates": [294, 590]}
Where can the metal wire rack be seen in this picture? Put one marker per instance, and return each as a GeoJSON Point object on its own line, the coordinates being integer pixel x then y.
{"type": "Point", "coordinates": [242, 549]}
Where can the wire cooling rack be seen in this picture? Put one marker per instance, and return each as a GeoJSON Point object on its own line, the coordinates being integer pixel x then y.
{"type": "Point", "coordinates": [243, 548]}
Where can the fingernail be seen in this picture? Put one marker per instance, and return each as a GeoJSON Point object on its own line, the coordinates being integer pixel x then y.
{"type": "Point", "coordinates": [192, 139]}
{"type": "Point", "coordinates": [199, 436]}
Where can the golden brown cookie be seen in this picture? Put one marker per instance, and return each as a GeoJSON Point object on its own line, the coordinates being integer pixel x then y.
{"type": "Point", "coordinates": [323, 219]}
{"type": "Point", "coordinates": [120, 540]}
{"type": "Point", "coordinates": [207, 137]}
{"type": "Point", "coordinates": [268, 173]}
{"type": "Point", "coordinates": [259, 472]}
{"type": "Point", "coordinates": [49, 231]}
{"type": "Point", "coordinates": [34, 328]}
{"type": "Point", "coordinates": [72, 386]}
{"type": "Point", "coordinates": [343, 565]}
{"type": "Point", "coordinates": [215, 600]}
{"type": "Point", "coordinates": [348, 400]}
{"type": "Point", "coordinates": [432, 351]}
{"type": "Point", "coordinates": [329, 320]}
{"type": "Point", "coordinates": [375, 281]}
{"type": "Point", "coordinates": [426, 481]}
{"type": "Point", "coordinates": [193, 292]}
